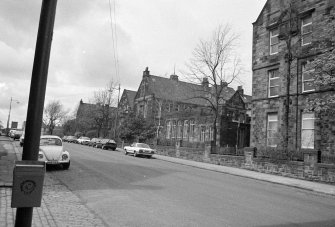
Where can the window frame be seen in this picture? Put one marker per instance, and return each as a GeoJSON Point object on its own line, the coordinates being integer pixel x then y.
{"type": "Point", "coordinates": [307, 129]}
{"type": "Point", "coordinates": [202, 133]}
{"type": "Point", "coordinates": [173, 131]}
{"type": "Point", "coordinates": [211, 132]}
{"type": "Point", "coordinates": [168, 130]}
{"type": "Point", "coordinates": [302, 28]}
{"type": "Point", "coordinates": [268, 129]}
{"type": "Point", "coordinates": [271, 79]}
{"type": "Point", "coordinates": [274, 44]}
{"type": "Point", "coordinates": [192, 128]}
{"type": "Point", "coordinates": [179, 129]}
{"type": "Point", "coordinates": [303, 81]}
{"type": "Point", "coordinates": [185, 130]}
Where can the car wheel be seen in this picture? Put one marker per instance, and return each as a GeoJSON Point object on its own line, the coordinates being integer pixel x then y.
{"type": "Point", "coordinates": [125, 152]}
{"type": "Point", "coordinates": [66, 165]}
{"type": "Point", "coordinates": [113, 149]}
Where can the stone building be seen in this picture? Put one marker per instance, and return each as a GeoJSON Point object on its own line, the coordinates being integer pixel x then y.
{"type": "Point", "coordinates": [181, 116]}
{"type": "Point", "coordinates": [95, 120]}
{"type": "Point", "coordinates": [283, 42]}
{"type": "Point", "coordinates": [126, 103]}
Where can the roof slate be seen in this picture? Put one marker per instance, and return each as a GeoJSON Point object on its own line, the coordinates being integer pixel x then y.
{"type": "Point", "coordinates": [180, 91]}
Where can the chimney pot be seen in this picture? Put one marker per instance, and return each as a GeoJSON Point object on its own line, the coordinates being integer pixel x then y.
{"type": "Point", "coordinates": [174, 77]}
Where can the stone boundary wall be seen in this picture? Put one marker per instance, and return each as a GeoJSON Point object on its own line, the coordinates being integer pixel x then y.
{"type": "Point", "coordinates": [308, 169]}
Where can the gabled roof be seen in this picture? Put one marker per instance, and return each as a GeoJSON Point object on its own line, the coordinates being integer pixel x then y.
{"type": "Point", "coordinates": [130, 95]}
{"type": "Point", "coordinates": [88, 107]}
{"type": "Point", "coordinates": [180, 91]}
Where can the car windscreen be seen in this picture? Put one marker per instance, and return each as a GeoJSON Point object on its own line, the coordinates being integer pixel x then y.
{"type": "Point", "coordinates": [85, 138]}
{"type": "Point", "coordinates": [50, 142]}
{"type": "Point", "coordinates": [143, 145]}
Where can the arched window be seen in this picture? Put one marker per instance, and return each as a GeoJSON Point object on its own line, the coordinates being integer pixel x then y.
{"type": "Point", "coordinates": [168, 130]}
{"type": "Point", "coordinates": [202, 133]}
{"type": "Point", "coordinates": [179, 129]}
{"type": "Point", "coordinates": [173, 130]}
{"type": "Point", "coordinates": [185, 131]}
{"type": "Point", "coordinates": [211, 133]}
{"type": "Point", "coordinates": [192, 125]}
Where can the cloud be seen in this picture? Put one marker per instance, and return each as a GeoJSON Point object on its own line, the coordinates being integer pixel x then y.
{"type": "Point", "coordinates": [159, 34]}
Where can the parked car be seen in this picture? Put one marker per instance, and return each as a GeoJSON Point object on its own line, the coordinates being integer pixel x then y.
{"type": "Point", "coordinates": [110, 144]}
{"type": "Point", "coordinates": [101, 143]}
{"type": "Point", "coordinates": [22, 139]}
{"type": "Point", "coordinates": [11, 133]}
{"type": "Point", "coordinates": [52, 152]}
{"type": "Point", "coordinates": [64, 138]}
{"type": "Point", "coordinates": [17, 134]}
{"type": "Point", "coordinates": [71, 139]}
{"type": "Point", "coordinates": [139, 149]}
{"type": "Point", "coordinates": [93, 142]}
{"type": "Point", "coordinates": [83, 140]}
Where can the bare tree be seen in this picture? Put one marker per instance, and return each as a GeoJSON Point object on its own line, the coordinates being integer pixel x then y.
{"type": "Point", "coordinates": [102, 114]}
{"type": "Point", "coordinates": [216, 63]}
{"type": "Point", "coordinates": [54, 114]}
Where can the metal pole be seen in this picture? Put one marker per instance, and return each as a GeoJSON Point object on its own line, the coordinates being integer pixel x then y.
{"type": "Point", "coordinates": [10, 107]}
{"type": "Point", "coordinates": [117, 112]}
{"type": "Point", "coordinates": [37, 96]}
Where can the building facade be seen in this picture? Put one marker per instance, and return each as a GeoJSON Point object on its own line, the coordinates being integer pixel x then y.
{"type": "Point", "coordinates": [181, 116]}
{"type": "Point", "coordinates": [286, 36]}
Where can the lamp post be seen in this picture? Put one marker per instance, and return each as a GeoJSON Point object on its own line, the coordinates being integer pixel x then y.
{"type": "Point", "coordinates": [10, 108]}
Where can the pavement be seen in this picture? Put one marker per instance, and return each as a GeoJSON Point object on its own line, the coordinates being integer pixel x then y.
{"type": "Point", "coordinates": [70, 211]}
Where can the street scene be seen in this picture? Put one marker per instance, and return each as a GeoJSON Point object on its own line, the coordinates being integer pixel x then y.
{"type": "Point", "coordinates": [167, 113]}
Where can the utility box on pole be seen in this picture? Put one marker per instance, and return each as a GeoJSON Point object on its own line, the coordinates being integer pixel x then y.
{"type": "Point", "coordinates": [28, 178]}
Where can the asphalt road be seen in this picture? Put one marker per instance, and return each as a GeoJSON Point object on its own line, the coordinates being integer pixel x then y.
{"type": "Point", "coordinates": [128, 191]}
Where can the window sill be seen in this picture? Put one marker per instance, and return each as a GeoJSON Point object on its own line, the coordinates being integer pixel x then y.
{"type": "Point", "coordinates": [308, 151]}
{"type": "Point", "coordinates": [271, 97]}
{"type": "Point", "coordinates": [308, 91]}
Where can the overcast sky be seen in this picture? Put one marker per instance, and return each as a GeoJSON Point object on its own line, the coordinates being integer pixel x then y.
{"type": "Point", "coordinates": [159, 34]}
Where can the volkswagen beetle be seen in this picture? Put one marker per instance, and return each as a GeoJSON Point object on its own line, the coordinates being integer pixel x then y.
{"type": "Point", "coordinates": [52, 152]}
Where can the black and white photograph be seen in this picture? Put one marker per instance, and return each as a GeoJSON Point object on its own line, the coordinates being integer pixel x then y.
{"type": "Point", "coordinates": [151, 113]}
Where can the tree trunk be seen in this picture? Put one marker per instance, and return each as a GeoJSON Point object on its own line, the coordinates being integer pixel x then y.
{"type": "Point", "coordinates": [214, 134]}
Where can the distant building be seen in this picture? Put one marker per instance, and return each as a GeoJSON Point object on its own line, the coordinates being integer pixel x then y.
{"type": "Point", "coordinates": [126, 103]}
{"type": "Point", "coordinates": [95, 118]}
{"type": "Point", "coordinates": [14, 124]}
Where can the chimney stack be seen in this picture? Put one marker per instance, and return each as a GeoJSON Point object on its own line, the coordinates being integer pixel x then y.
{"type": "Point", "coordinates": [146, 72]}
{"type": "Point", "coordinates": [240, 90]}
{"type": "Point", "coordinates": [205, 82]}
{"type": "Point", "coordinates": [174, 77]}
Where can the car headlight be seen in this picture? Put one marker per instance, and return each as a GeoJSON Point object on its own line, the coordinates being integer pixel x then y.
{"type": "Point", "coordinates": [40, 156]}
{"type": "Point", "coordinates": [140, 151]}
{"type": "Point", "coordinates": [65, 156]}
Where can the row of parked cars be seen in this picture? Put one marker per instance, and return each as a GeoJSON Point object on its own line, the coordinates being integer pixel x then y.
{"type": "Point", "coordinates": [103, 143]}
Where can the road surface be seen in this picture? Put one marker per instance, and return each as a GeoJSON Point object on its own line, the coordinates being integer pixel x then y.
{"type": "Point", "coordinates": [131, 191]}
